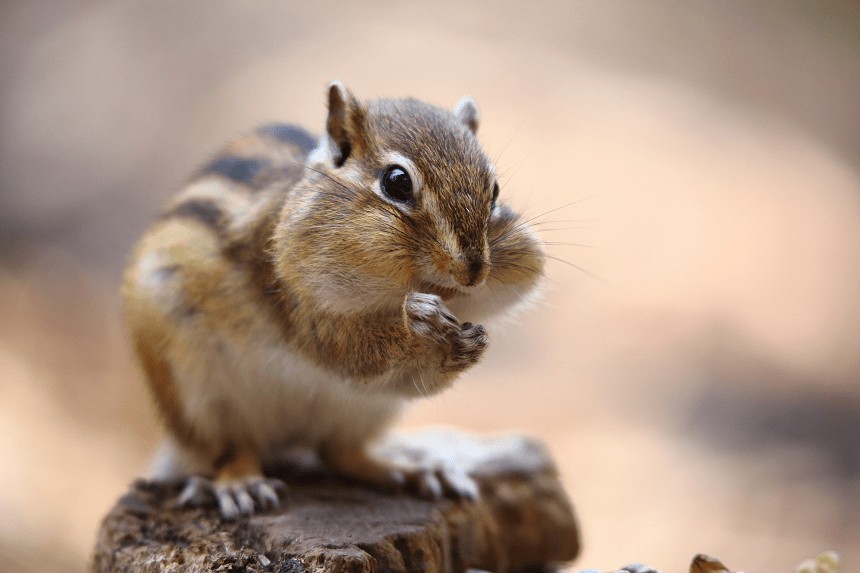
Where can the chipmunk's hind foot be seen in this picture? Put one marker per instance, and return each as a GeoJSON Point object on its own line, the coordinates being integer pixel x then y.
{"type": "Point", "coordinates": [637, 568]}
{"type": "Point", "coordinates": [438, 482]}
{"type": "Point", "coordinates": [239, 489]}
{"type": "Point", "coordinates": [234, 498]}
{"type": "Point", "coordinates": [428, 480]}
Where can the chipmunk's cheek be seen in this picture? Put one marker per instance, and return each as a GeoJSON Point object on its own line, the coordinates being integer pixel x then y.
{"type": "Point", "coordinates": [429, 274]}
{"type": "Point", "coordinates": [440, 263]}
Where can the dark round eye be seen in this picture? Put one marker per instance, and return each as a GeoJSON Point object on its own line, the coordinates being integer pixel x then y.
{"type": "Point", "coordinates": [495, 193]}
{"type": "Point", "coordinates": [397, 184]}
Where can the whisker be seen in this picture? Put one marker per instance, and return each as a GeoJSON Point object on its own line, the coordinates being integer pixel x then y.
{"type": "Point", "coordinates": [423, 385]}
{"type": "Point", "coordinates": [589, 273]}
{"type": "Point", "coordinates": [568, 205]}
{"type": "Point", "coordinates": [559, 229]}
{"type": "Point", "coordinates": [522, 224]}
{"type": "Point", "coordinates": [502, 152]}
{"type": "Point", "coordinates": [326, 175]}
{"type": "Point", "coordinates": [417, 389]}
{"type": "Point", "coordinates": [564, 244]}
{"type": "Point", "coordinates": [553, 221]}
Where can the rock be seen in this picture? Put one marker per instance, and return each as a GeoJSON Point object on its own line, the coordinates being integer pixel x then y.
{"type": "Point", "coordinates": [523, 521]}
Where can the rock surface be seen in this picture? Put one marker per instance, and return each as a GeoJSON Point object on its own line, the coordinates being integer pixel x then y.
{"type": "Point", "coordinates": [523, 521]}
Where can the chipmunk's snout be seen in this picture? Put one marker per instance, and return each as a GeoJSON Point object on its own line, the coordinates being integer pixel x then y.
{"type": "Point", "coordinates": [471, 269]}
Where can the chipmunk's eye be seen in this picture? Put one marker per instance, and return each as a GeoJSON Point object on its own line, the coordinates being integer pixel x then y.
{"type": "Point", "coordinates": [397, 184]}
{"type": "Point", "coordinates": [495, 195]}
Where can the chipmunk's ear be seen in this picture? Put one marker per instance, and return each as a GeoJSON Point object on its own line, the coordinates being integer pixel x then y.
{"type": "Point", "coordinates": [467, 112]}
{"type": "Point", "coordinates": [345, 124]}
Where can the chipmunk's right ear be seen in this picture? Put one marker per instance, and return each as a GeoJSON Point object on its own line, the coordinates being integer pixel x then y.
{"type": "Point", "coordinates": [467, 112]}
{"type": "Point", "coordinates": [346, 122]}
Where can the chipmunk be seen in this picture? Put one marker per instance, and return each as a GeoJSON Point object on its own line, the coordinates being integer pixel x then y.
{"type": "Point", "coordinates": [299, 290]}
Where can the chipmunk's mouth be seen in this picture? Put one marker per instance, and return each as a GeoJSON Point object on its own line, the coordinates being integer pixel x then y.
{"type": "Point", "coordinates": [445, 292]}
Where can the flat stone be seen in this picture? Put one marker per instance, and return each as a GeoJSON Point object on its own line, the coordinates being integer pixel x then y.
{"type": "Point", "coordinates": [523, 521]}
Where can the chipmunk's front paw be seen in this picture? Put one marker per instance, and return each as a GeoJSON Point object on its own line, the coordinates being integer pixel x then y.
{"type": "Point", "coordinates": [460, 345]}
{"type": "Point", "coordinates": [467, 348]}
{"type": "Point", "coordinates": [235, 497]}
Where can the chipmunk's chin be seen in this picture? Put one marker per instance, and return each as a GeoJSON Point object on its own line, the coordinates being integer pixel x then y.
{"type": "Point", "coordinates": [441, 291]}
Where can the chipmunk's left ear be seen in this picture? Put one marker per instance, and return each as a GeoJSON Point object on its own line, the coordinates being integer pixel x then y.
{"type": "Point", "coordinates": [467, 112]}
{"type": "Point", "coordinates": [345, 124]}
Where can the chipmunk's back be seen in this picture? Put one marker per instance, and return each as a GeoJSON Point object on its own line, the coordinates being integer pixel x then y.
{"type": "Point", "coordinates": [251, 172]}
{"type": "Point", "coordinates": [216, 230]}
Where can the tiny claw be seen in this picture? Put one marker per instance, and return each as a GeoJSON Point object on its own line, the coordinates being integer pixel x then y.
{"type": "Point", "coordinates": [197, 491]}
{"type": "Point", "coordinates": [243, 500]}
{"type": "Point", "coordinates": [464, 486]}
{"type": "Point", "coordinates": [266, 494]}
{"type": "Point", "coordinates": [398, 479]}
{"type": "Point", "coordinates": [227, 505]}
{"type": "Point", "coordinates": [430, 486]}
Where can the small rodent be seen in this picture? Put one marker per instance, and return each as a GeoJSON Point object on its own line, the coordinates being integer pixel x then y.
{"type": "Point", "coordinates": [299, 290]}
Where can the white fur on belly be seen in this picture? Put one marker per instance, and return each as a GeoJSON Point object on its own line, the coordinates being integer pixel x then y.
{"type": "Point", "coordinates": [268, 397]}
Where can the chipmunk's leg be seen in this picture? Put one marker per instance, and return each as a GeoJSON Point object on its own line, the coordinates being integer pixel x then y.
{"type": "Point", "coordinates": [432, 481]}
{"type": "Point", "coordinates": [238, 487]}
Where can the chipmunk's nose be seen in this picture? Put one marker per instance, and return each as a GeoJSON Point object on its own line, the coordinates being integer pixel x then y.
{"type": "Point", "coordinates": [471, 270]}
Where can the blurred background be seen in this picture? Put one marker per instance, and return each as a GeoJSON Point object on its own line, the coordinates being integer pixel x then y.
{"type": "Point", "coordinates": [697, 381]}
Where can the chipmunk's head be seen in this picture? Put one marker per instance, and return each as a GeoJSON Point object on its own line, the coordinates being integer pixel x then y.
{"type": "Point", "coordinates": [400, 197]}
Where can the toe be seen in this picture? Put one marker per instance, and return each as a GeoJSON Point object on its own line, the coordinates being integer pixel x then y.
{"type": "Point", "coordinates": [429, 485]}
{"type": "Point", "coordinates": [266, 493]}
{"type": "Point", "coordinates": [397, 479]}
{"type": "Point", "coordinates": [459, 484]}
{"type": "Point", "coordinates": [227, 505]}
{"type": "Point", "coordinates": [197, 491]}
{"type": "Point", "coordinates": [243, 499]}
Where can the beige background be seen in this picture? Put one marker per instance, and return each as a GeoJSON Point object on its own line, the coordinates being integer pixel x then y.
{"type": "Point", "coordinates": [701, 394]}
